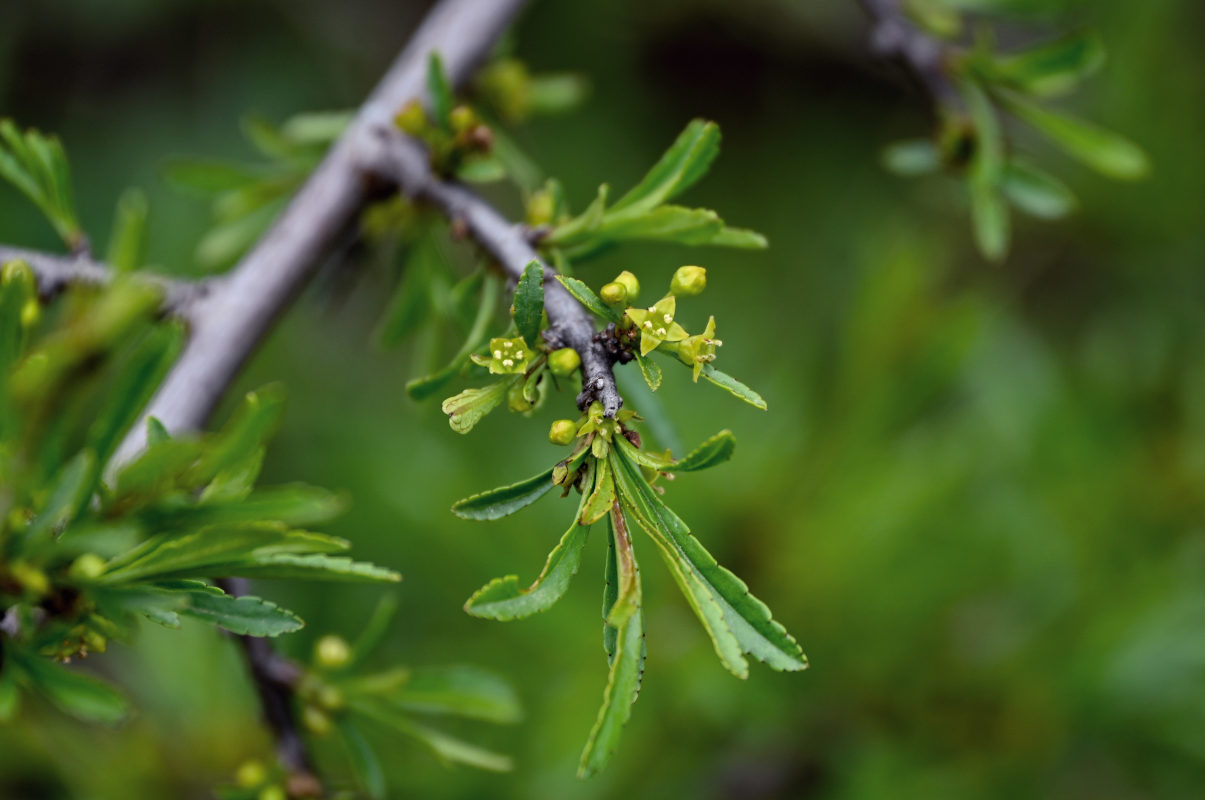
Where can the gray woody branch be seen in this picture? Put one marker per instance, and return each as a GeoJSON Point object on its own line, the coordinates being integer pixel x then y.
{"type": "Point", "coordinates": [404, 162]}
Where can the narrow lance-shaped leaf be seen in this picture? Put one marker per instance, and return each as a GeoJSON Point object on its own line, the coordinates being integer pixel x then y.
{"type": "Point", "coordinates": [733, 386]}
{"type": "Point", "coordinates": [627, 664]}
{"type": "Point", "coordinates": [75, 693]}
{"type": "Point", "coordinates": [529, 303]}
{"type": "Point", "coordinates": [303, 567]}
{"type": "Point", "coordinates": [1104, 151]}
{"type": "Point", "coordinates": [446, 747]}
{"type": "Point", "coordinates": [503, 598]}
{"type": "Point", "coordinates": [588, 298]}
{"type": "Point", "coordinates": [365, 764]}
{"type": "Point", "coordinates": [468, 408]}
{"type": "Point", "coordinates": [1053, 68]}
{"type": "Point", "coordinates": [439, 91]}
{"type": "Point", "coordinates": [747, 617]}
{"type": "Point", "coordinates": [505, 500]}
{"type": "Point", "coordinates": [461, 691]}
{"type": "Point", "coordinates": [1036, 192]}
{"type": "Point", "coordinates": [685, 162]}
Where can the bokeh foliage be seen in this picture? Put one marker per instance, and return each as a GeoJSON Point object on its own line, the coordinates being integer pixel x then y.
{"type": "Point", "coordinates": [976, 497]}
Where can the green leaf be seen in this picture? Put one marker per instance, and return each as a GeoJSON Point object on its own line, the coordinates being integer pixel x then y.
{"type": "Point", "coordinates": [685, 162]}
{"type": "Point", "coordinates": [651, 371]}
{"type": "Point", "coordinates": [740, 238]}
{"type": "Point", "coordinates": [421, 388]}
{"type": "Point", "coordinates": [556, 93]}
{"type": "Point", "coordinates": [307, 567]}
{"type": "Point", "coordinates": [733, 386]}
{"type": "Point", "coordinates": [74, 692]}
{"type": "Point", "coordinates": [195, 554]}
{"type": "Point", "coordinates": [503, 598]}
{"type": "Point", "coordinates": [411, 303]}
{"type": "Point", "coordinates": [627, 666]}
{"type": "Point", "coordinates": [583, 226]}
{"type": "Point", "coordinates": [1053, 68]}
{"type": "Point", "coordinates": [374, 631]}
{"type": "Point", "coordinates": [364, 762]}
{"type": "Point", "coordinates": [598, 504]}
{"type": "Point", "coordinates": [529, 303]}
{"type": "Point", "coordinates": [208, 178]}
{"type": "Point", "coordinates": [245, 615]}
{"type": "Point", "coordinates": [716, 450]}
{"type": "Point", "coordinates": [1104, 151]}
{"type": "Point", "coordinates": [296, 504]}
{"type": "Point", "coordinates": [10, 697]}
{"type": "Point", "coordinates": [69, 494]}
{"type": "Point", "coordinates": [505, 500]}
{"type": "Point", "coordinates": [481, 169]}
{"type": "Point", "coordinates": [127, 242]}
{"type": "Point", "coordinates": [447, 747]}
{"type": "Point", "coordinates": [460, 691]}
{"type": "Point", "coordinates": [466, 409]}
{"type": "Point", "coordinates": [316, 127]}
{"type": "Point", "coordinates": [439, 92]}
{"type": "Point", "coordinates": [1036, 192]}
{"type": "Point", "coordinates": [248, 430]}
{"type": "Point", "coordinates": [584, 295]}
{"type": "Point", "coordinates": [989, 216]}
{"type": "Point", "coordinates": [37, 166]}
{"type": "Point", "coordinates": [132, 389]}
{"type": "Point", "coordinates": [744, 617]}
{"type": "Point", "coordinates": [911, 158]}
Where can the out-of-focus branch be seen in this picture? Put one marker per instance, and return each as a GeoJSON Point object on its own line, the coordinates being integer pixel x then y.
{"type": "Point", "coordinates": [54, 273]}
{"type": "Point", "coordinates": [230, 321]}
{"type": "Point", "coordinates": [403, 161]}
{"type": "Point", "coordinates": [894, 35]}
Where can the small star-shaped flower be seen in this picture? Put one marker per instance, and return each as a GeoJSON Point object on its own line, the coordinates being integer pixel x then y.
{"type": "Point", "coordinates": [507, 356]}
{"type": "Point", "coordinates": [657, 325]}
{"type": "Point", "coordinates": [695, 351]}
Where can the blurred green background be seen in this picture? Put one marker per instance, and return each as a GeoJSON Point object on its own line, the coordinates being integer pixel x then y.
{"type": "Point", "coordinates": [977, 497]}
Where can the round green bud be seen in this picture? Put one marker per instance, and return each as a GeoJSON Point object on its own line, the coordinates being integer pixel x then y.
{"type": "Point", "coordinates": [564, 362]}
{"type": "Point", "coordinates": [412, 118]}
{"type": "Point", "coordinates": [31, 312]}
{"type": "Point", "coordinates": [540, 208]}
{"type": "Point", "coordinates": [251, 774]}
{"type": "Point", "coordinates": [316, 721]}
{"type": "Point", "coordinates": [30, 577]}
{"type": "Point", "coordinates": [614, 294]}
{"type": "Point", "coordinates": [87, 567]}
{"type": "Point", "coordinates": [272, 792]}
{"type": "Point", "coordinates": [462, 118]}
{"type": "Point", "coordinates": [628, 281]}
{"type": "Point", "coordinates": [688, 281]}
{"type": "Point", "coordinates": [331, 652]}
{"type": "Point", "coordinates": [331, 698]}
{"type": "Point", "coordinates": [515, 400]}
{"type": "Point", "coordinates": [563, 431]}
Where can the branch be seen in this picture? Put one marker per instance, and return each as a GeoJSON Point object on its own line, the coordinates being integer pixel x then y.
{"type": "Point", "coordinates": [54, 273]}
{"type": "Point", "coordinates": [276, 678]}
{"type": "Point", "coordinates": [404, 162]}
{"type": "Point", "coordinates": [894, 35]}
{"type": "Point", "coordinates": [229, 323]}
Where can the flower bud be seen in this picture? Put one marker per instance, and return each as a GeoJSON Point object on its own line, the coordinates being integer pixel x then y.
{"type": "Point", "coordinates": [614, 294]}
{"type": "Point", "coordinates": [688, 281]}
{"type": "Point", "coordinates": [515, 399]}
{"type": "Point", "coordinates": [251, 774]}
{"type": "Point", "coordinates": [540, 208]}
{"type": "Point", "coordinates": [87, 567]}
{"type": "Point", "coordinates": [563, 431]}
{"type": "Point", "coordinates": [564, 362]}
{"type": "Point", "coordinates": [331, 698]}
{"type": "Point", "coordinates": [331, 652]}
{"type": "Point", "coordinates": [412, 118]}
{"type": "Point", "coordinates": [316, 721]}
{"type": "Point", "coordinates": [628, 281]}
{"type": "Point", "coordinates": [461, 118]}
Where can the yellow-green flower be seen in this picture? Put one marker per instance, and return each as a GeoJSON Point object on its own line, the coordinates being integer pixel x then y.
{"type": "Point", "coordinates": [507, 356]}
{"type": "Point", "coordinates": [657, 325]}
{"type": "Point", "coordinates": [695, 351]}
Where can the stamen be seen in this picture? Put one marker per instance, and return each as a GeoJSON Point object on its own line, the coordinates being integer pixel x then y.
{"type": "Point", "coordinates": [497, 354]}
{"type": "Point", "coordinates": [661, 331]}
{"type": "Point", "coordinates": [668, 319]}
{"type": "Point", "coordinates": [508, 345]}
{"type": "Point", "coordinates": [506, 362]}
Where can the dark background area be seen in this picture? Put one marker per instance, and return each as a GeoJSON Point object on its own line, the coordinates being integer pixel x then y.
{"type": "Point", "coordinates": [976, 497]}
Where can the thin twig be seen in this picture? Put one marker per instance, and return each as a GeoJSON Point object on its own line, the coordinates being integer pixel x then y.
{"type": "Point", "coordinates": [894, 35]}
{"type": "Point", "coordinates": [403, 161]}
{"type": "Point", "coordinates": [54, 273]}
{"type": "Point", "coordinates": [230, 322]}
